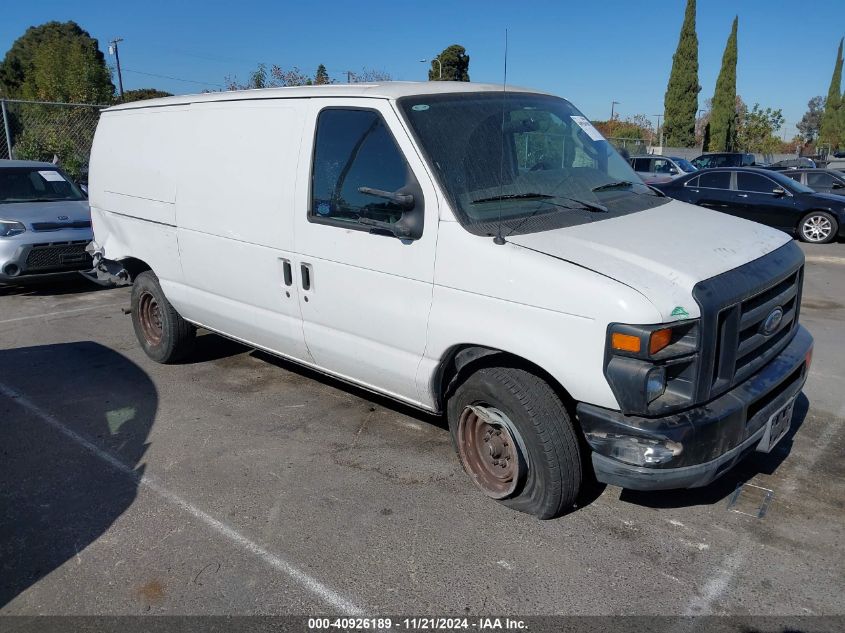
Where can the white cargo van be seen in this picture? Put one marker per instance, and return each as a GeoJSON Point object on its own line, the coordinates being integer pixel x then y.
{"type": "Point", "coordinates": [465, 250]}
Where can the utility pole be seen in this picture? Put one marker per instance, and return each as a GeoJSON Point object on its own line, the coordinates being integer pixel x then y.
{"type": "Point", "coordinates": [349, 76]}
{"type": "Point", "coordinates": [659, 135]}
{"type": "Point", "coordinates": [113, 51]}
{"type": "Point", "coordinates": [613, 105]}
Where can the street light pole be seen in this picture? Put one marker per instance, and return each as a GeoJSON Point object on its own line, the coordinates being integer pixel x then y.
{"type": "Point", "coordinates": [439, 67]}
{"type": "Point", "coordinates": [113, 50]}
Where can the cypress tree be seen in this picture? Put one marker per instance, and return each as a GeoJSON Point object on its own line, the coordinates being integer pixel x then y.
{"type": "Point", "coordinates": [722, 133]}
{"type": "Point", "coordinates": [322, 76]}
{"type": "Point", "coordinates": [681, 99]}
{"type": "Point", "coordinates": [830, 130]}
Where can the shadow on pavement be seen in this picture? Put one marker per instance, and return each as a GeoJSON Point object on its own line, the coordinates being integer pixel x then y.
{"type": "Point", "coordinates": [66, 284]}
{"type": "Point", "coordinates": [754, 464]}
{"type": "Point", "coordinates": [56, 497]}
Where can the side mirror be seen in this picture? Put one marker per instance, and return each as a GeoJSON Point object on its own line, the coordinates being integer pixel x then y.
{"type": "Point", "coordinates": [673, 170]}
{"type": "Point", "coordinates": [838, 185]}
{"type": "Point", "coordinates": [409, 226]}
{"type": "Point", "coordinates": [779, 191]}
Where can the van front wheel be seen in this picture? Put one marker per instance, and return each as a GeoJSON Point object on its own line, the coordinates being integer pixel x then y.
{"type": "Point", "coordinates": [164, 335]}
{"type": "Point", "coordinates": [515, 440]}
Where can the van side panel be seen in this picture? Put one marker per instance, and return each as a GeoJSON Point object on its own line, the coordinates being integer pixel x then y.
{"type": "Point", "coordinates": [134, 170]}
{"type": "Point", "coordinates": [235, 221]}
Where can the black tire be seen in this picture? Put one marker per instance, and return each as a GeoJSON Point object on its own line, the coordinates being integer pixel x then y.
{"type": "Point", "coordinates": [164, 335]}
{"type": "Point", "coordinates": [818, 227]}
{"type": "Point", "coordinates": [551, 475]}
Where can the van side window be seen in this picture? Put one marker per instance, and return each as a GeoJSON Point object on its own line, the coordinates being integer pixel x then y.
{"type": "Point", "coordinates": [354, 149]}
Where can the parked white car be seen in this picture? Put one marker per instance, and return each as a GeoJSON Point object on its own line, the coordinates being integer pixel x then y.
{"type": "Point", "coordinates": [465, 251]}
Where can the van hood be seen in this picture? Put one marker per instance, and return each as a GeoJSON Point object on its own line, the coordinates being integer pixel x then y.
{"type": "Point", "coordinates": [661, 252]}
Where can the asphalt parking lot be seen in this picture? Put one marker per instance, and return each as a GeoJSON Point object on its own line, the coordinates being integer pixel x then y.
{"type": "Point", "coordinates": [239, 484]}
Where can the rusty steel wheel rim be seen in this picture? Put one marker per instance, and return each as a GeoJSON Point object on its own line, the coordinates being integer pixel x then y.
{"type": "Point", "coordinates": [149, 315]}
{"type": "Point", "coordinates": [491, 450]}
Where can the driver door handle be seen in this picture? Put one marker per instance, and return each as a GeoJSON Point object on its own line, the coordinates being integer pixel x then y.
{"type": "Point", "coordinates": [742, 195]}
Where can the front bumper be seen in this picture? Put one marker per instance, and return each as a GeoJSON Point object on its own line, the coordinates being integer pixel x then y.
{"type": "Point", "coordinates": [715, 436]}
{"type": "Point", "coordinates": [43, 254]}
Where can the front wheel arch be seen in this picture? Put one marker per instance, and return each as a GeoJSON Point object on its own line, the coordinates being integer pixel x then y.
{"type": "Point", "coordinates": [460, 361]}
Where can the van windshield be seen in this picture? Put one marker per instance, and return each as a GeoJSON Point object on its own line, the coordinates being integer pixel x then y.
{"type": "Point", "coordinates": [530, 162]}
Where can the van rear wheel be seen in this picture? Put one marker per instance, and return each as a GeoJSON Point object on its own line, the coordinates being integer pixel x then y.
{"type": "Point", "coordinates": [516, 441]}
{"type": "Point", "coordinates": [163, 334]}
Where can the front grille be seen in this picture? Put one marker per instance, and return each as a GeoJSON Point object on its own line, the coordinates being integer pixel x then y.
{"type": "Point", "coordinates": [58, 256]}
{"type": "Point", "coordinates": [753, 349]}
{"type": "Point", "coordinates": [734, 306]}
{"type": "Point", "coordinates": [58, 226]}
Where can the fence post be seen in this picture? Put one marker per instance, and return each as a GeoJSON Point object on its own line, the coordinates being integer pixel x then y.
{"type": "Point", "coordinates": [6, 128]}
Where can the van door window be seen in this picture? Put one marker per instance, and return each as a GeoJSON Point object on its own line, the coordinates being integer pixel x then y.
{"type": "Point", "coordinates": [354, 150]}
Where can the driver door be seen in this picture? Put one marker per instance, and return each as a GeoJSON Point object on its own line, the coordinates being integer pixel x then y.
{"type": "Point", "coordinates": [365, 294]}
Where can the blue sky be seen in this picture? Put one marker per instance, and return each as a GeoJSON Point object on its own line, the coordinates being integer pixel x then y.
{"type": "Point", "coordinates": [589, 52]}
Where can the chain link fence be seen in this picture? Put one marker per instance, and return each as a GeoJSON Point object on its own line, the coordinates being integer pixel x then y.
{"type": "Point", "coordinates": [634, 146]}
{"type": "Point", "coordinates": [42, 130]}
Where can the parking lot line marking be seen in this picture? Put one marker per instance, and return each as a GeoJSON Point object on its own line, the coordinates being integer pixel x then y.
{"type": "Point", "coordinates": [716, 586]}
{"type": "Point", "coordinates": [824, 259]}
{"type": "Point", "coordinates": [61, 312]}
{"type": "Point", "coordinates": [304, 580]}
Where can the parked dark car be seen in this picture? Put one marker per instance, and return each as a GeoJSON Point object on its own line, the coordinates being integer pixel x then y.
{"type": "Point", "coordinates": [803, 162]}
{"type": "Point", "coordinates": [723, 159]}
{"type": "Point", "coordinates": [764, 196]}
{"type": "Point", "coordinates": [819, 180]}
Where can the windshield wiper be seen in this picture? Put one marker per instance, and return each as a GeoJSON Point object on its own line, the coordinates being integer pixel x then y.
{"type": "Point", "coordinates": [613, 185]}
{"type": "Point", "coordinates": [513, 196]}
{"type": "Point", "coordinates": [35, 200]}
{"type": "Point", "coordinates": [546, 199]}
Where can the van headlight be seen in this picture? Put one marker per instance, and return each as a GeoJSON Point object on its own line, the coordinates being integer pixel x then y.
{"type": "Point", "coordinates": [651, 369]}
{"type": "Point", "coordinates": [8, 228]}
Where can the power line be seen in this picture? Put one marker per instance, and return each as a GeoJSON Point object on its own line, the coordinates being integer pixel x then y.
{"type": "Point", "coordinates": [190, 81]}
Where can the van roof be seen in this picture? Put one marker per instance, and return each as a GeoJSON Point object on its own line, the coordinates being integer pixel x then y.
{"type": "Point", "coordinates": [381, 90]}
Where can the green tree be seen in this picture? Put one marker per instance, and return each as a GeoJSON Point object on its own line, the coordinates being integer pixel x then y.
{"type": "Point", "coordinates": [454, 63]}
{"type": "Point", "coordinates": [808, 126]}
{"type": "Point", "coordinates": [757, 129]}
{"type": "Point", "coordinates": [140, 94]}
{"type": "Point", "coordinates": [322, 76]}
{"type": "Point", "coordinates": [722, 132]}
{"type": "Point", "coordinates": [56, 61]}
{"type": "Point", "coordinates": [831, 129]}
{"type": "Point", "coordinates": [681, 99]}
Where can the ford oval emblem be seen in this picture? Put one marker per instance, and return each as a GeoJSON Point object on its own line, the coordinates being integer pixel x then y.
{"type": "Point", "coordinates": [63, 218]}
{"type": "Point", "coordinates": [772, 322]}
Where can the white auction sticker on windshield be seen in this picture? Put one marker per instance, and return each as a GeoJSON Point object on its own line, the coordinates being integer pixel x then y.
{"type": "Point", "coordinates": [52, 176]}
{"type": "Point", "coordinates": [588, 127]}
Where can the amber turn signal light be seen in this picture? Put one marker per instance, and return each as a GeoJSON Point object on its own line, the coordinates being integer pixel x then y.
{"type": "Point", "coordinates": [625, 342]}
{"type": "Point", "coordinates": [659, 339]}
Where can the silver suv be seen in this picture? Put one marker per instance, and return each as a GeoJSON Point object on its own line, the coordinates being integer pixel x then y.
{"type": "Point", "coordinates": [45, 222]}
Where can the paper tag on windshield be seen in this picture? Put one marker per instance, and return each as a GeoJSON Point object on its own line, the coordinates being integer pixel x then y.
{"type": "Point", "coordinates": [585, 125]}
{"type": "Point", "coordinates": [52, 176]}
